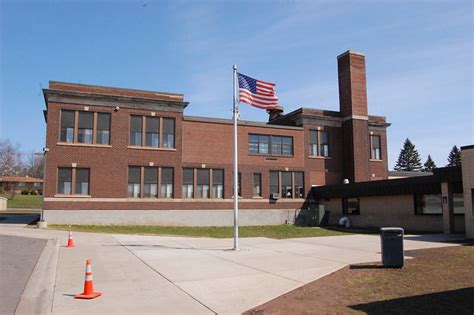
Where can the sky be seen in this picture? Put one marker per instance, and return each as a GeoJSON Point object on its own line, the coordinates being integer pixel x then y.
{"type": "Point", "coordinates": [419, 58]}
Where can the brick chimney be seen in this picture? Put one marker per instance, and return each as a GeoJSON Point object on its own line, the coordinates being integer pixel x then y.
{"type": "Point", "coordinates": [353, 109]}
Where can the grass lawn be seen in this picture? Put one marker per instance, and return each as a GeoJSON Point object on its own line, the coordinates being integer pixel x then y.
{"type": "Point", "coordinates": [436, 281]}
{"type": "Point", "coordinates": [25, 202]}
{"type": "Point", "coordinates": [272, 231]}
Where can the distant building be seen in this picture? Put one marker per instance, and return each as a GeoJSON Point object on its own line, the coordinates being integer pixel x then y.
{"type": "Point", "coordinates": [123, 156]}
{"type": "Point", "coordinates": [19, 183]}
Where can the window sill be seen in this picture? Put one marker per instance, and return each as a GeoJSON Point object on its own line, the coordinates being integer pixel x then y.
{"type": "Point", "coordinates": [272, 155]}
{"type": "Point", "coordinates": [151, 148]}
{"type": "Point", "coordinates": [84, 145]}
{"type": "Point", "coordinates": [375, 160]}
{"type": "Point", "coordinates": [319, 157]}
{"type": "Point", "coordinates": [71, 196]}
{"type": "Point", "coordinates": [257, 197]}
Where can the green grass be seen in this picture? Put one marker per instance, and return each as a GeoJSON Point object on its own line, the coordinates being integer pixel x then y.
{"type": "Point", "coordinates": [270, 231]}
{"type": "Point", "coordinates": [25, 201]}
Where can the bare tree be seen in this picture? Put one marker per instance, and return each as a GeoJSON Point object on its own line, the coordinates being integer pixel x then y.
{"type": "Point", "coordinates": [11, 163]}
{"type": "Point", "coordinates": [35, 164]}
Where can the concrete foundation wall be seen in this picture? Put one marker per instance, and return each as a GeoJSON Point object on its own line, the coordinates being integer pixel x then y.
{"type": "Point", "coordinates": [390, 211]}
{"type": "Point", "coordinates": [170, 217]}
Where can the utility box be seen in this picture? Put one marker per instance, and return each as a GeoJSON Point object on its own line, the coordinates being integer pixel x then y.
{"type": "Point", "coordinates": [391, 239]}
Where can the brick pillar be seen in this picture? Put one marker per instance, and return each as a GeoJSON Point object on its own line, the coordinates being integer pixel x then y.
{"type": "Point", "coordinates": [448, 208]}
{"type": "Point", "coordinates": [353, 109]}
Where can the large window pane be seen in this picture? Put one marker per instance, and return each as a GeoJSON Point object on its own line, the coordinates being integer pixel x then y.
{"type": "Point", "coordinates": [65, 181]}
{"type": "Point", "coordinates": [299, 184]}
{"type": "Point", "coordinates": [202, 183]}
{"type": "Point", "coordinates": [350, 206]}
{"type": "Point", "coordinates": [150, 187]}
{"type": "Point", "coordinates": [218, 183]}
{"type": "Point", "coordinates": [287, 146]}
{"type": "Point", "coordinates": [253, 143]}
{"type": "Point", "coordinates": [286, 190]}
{"type": "Point", "coordinates": [134, 179]}
{"type": "Point", "coordinates": [168, 132]}
{"type": "Point", "coordinates": [313, 142]}
{"type": "Point", "coordinates": [432, 204]}
{"type": "Point", "coordinates": [67, 126]}
{"type": "Point", "coordinates": [188, 183]}
{"type": "Point", "coordinates": [82, 181]}
{"type": "Point", "coordinates": [103, 128]}
{"type": "Point", "coordinates": [375, 152]}
{"type": "Point", "coordinates": [166, 182]}
{"type": "Point", "coordinates": [136, 130]}
{"type": "Point", "coordinates": [263, 145]}
{"type": "Point", "coordinates": [85, 125]}
{"type": "Point", "coordinates": [257, 185]}
{"type": "Point", "coordinates": [324, 146]}
{"type": "Point", "coordinates": [276, 145]}
{"type": "Point", "coordinates": [152, 137]}
{"type": "Point", "coordinates": [274, 186]}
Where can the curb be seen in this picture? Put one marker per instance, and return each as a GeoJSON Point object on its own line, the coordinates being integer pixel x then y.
{"type": "Point", "coordinates": [37, 298]}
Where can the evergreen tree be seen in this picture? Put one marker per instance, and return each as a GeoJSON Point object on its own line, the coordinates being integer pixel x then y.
{"type": "Point", "coordinates": [429, 164]}
{"type": "Point", "coordinates": [409, 158]}
{"type": "Point", "coordinates": [454, 158]}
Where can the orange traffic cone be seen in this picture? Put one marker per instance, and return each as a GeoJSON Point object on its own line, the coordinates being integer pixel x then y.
{"type": "Point", "coordinates": [70, 242]}
{"type": "Point", "coordinates": [88, 285]}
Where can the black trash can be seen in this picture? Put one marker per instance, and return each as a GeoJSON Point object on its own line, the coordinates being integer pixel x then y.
{"type": "Point", "coordinates": [391, 239]}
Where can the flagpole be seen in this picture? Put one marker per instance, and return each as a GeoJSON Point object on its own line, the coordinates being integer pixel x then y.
{"type": "Point", "coordinates": [236, 169]}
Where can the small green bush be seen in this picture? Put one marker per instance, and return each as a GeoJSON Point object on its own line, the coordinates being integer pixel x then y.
{"type": "Point", "coordinates": [40, 191]}
{"type": "Point", "coordinates": [25, 192]}
{"type": "Point", "coordinates": [33, 192]}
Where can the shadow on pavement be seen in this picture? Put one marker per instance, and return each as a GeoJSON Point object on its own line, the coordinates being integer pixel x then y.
{"type": "Point", "coordinates": [19, 218]}
{"type": "Point", "coordinates": [459, 301]}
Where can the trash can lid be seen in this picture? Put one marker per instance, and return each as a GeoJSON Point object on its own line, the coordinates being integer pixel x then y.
{"type": "Point", "coordinates": [391, 229]}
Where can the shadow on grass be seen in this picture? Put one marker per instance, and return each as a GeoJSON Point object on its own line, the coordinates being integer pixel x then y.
{"type": "Point", "coordinates": [367, 267]}
{"type": "Point", "coordinates": [458, 302]}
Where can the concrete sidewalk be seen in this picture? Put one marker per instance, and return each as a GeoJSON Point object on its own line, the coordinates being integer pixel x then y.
{"type": "Point", "coordinates": [178, 275]}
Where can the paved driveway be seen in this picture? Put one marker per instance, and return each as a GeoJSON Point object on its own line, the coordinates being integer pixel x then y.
{"type": "Point", "coordinates": [229, 282]}
{"type": "Point", "coordinates": [18, 256]}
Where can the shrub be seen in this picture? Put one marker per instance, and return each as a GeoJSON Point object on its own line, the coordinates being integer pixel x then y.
{"type": "Point", "coordinates": [25, 192]}
{"type": "Point", "coordinates": [40, 191]}
{"type": "Point", "coordinates": [33, 192]}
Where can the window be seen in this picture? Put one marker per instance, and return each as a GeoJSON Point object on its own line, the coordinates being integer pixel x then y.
{"type": "Point", "coordinates": [299, 184]}
{"type": "Point", "coordinates": [136, 130]}
{"type": "Point", "coordinates": [202, 186]}
{"type": "Point", "coordinates": [291, 186]}
{"type": "Point", "coordinates": [73, 181]}
{"type": "Point", "coordinates": [65, 181]}
{"type": "Point", "coordinates": [286, 187]}
{"type": "Point", "coordinates": [158, 132]}
{"type": "Point", "coordinates": [67, 126]}
{"type": "Point", "coordinates": [167, 182]}
{"type": "Point", "coordinates": [168, 132]}
{"type": "Point", "coordinates": [274, 145]}
{"type": "Point", "coordinates": [458, 204]}
{"type": "Point", "coordinates": [85, 131]}
{"type": "Point", "coordinates": [274, 182]}
{"type": "Point", "coordinates": [350, 206]}
{"type": "Point", "coordinates": [257, 185]}
{"type": "Point", "coordinates": [428, 204]}
{"type": "Point", "coordinates": [152, 137]}
{"type": "Point", "coordinates": [85, 127]}
{"type": "Point", "coordinates": [82, 181]}
{"type": "Point", "coordinates": [375, 151]}
{"type": "Point", "coordinates": [188, 183]}
{"type": "Point", "coordinates": [318, 143]}
{"type": "Point", "coordinates": [150, 184]}
{"type": "Point", "coordinates": [217, 183]}
{"type": "Point", "coordinates": [103, 128]}
{"type": "Point", "coordinates": [134, 180]}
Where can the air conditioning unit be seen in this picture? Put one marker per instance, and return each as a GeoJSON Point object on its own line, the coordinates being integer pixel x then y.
{"type": "Point", "coordinates": [275, 196]}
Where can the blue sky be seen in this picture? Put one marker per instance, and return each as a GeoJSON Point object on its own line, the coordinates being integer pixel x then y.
{"type": "Point", "coordinates": [419, 57]}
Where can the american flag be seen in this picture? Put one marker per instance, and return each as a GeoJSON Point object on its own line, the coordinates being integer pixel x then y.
{"type": "Point", "coordinates": [257, 93]}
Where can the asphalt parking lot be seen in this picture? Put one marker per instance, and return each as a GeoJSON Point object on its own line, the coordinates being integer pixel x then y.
{"type": "Point", "coordinates": [18, 256]}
